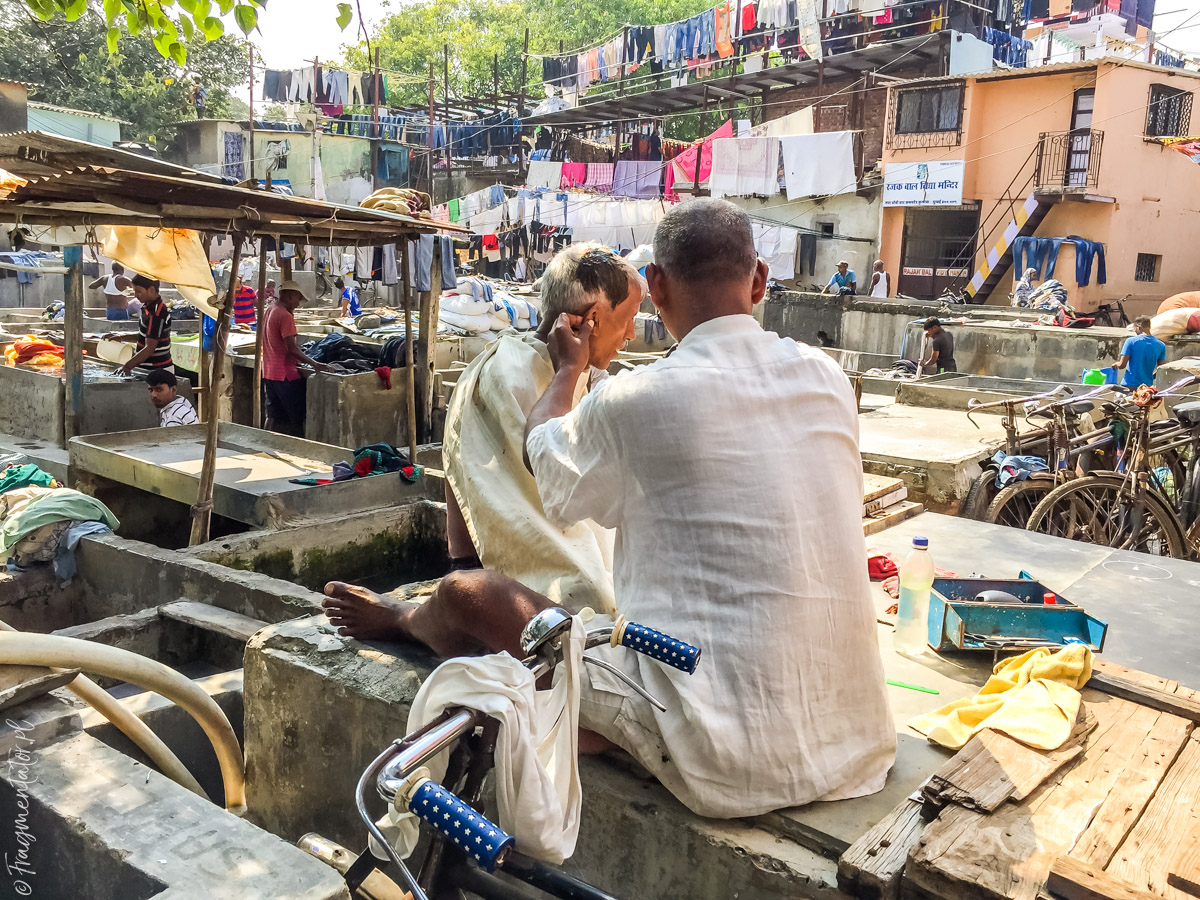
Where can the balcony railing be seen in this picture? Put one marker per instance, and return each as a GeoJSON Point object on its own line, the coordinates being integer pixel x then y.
{"type": "Point", "coordinates": [1068, 162]}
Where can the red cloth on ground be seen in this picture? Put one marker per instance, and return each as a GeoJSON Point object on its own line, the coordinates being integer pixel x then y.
{"type": "Point", "coordinates": [880, 565]}
{"type": "Point", "coordinates": [385, 376]}
{"type": "Point", "coordinates": [362, 468]}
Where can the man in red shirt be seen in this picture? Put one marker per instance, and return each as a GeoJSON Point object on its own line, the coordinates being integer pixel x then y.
{"type": "Point", "coordinates": [283, 385]}
{"type": "Point", "coordinates": [245, 302]}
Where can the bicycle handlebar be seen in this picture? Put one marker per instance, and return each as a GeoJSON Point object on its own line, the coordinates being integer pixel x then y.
{"type": "Point", "coordinates": [471, 831]}
{"type": "Point", "coordinates": [661, 647]}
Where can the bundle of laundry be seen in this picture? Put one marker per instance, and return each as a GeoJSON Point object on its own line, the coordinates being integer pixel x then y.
{"type": "Point", "coordinates": [399, 200]}
{"type": "Point", "coordinates": [43, 524]}
{"type": "Point", "coordinates": [339, 348]}
{"type": "Point", "coordinates": [374, 459]}
{"type": "Point", "coordinates": [1175, 321]}
{"type": "Point", "coordinates": [33, 351]}
{"type": "Point", "coordinates": [26, 475]}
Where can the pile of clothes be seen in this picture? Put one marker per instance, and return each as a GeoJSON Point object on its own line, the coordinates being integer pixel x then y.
{"type": "Point", "coordinates": [374, 459]}
{"type": "Point", "coordinates": [341, 354]}
{"type": "Point", "coordinates": [33, 351]}
{"type": "Point", "coordinates": [41, 521]}
{"type": "Point", "coordinates": [476, 307]}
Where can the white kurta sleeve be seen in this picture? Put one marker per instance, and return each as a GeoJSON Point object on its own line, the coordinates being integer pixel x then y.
{"type": "Point", "coordinates": [575, 466]}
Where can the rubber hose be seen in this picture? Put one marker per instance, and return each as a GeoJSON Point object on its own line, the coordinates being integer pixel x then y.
{"type": "Point", "coordinates": [72, 653]}
{"type": "Point", "coordinates": [131, 726]}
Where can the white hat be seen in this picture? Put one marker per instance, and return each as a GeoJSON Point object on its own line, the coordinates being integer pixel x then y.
{"type": "Point", "coordinates": [640, 256]}
{"type": "Point", "coordinates": [290, 285]}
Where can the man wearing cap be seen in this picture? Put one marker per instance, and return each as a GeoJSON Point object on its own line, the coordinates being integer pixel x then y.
{"type": "Point", "coordinates": [283, 385]}
{"type": "Point", "coordinates": [154, 329]}
{"type": "Point", "coordinates": [842, 281]}
{"type": "Point", "coordinates": [940, 344]}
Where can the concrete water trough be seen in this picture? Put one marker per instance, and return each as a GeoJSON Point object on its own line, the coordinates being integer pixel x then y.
{"type": "Point", "coordinates": [254, 472]}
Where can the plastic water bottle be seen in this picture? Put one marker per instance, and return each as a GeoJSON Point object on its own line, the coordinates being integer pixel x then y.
{"type": "Point", "coordinates": [911, 637]}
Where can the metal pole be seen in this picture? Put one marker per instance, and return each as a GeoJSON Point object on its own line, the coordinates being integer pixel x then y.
{"type": "Point", "coordinates": [73, 342]}
{"type": "Point", "coordinates": [427, 351]}
{"type": "Point", "coordinates": [375, 125]}
{"type": "Point", "coordinates": [202, 511]}
{"type": "Point", "coordinates": [260, 306]}
{"type": "Point", "coordinates": [409, 339]}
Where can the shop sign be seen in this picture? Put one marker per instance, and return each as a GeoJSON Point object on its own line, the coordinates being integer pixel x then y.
{"type": "Point", "coordinates": [937, 183]}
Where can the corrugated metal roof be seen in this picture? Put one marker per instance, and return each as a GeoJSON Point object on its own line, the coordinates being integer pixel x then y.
{"type": "Point", "coordinates": [33, 154]}
{"type": "Point", "coordinates": [33, 104]}
{"type": "Point", "coordinates": [1054, 69]}
{"type": "Point", "coordinates": [101, 195]}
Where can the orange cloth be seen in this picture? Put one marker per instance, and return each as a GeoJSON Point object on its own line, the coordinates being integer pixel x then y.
{"type": "Point", "coordinates": [1186, 300]}
{"type": "Point", "coordinates": [724, 44]}
{"type": "Point", "coordinates": [30, 348]}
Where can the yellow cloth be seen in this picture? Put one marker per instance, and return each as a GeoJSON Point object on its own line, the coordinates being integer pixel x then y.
{"type": "Point", "coordinates": [1033, 698]}
{"type": "Point", "coordinates": [173, 255]}
{"type": "Point", "coordinates": [483, 454]}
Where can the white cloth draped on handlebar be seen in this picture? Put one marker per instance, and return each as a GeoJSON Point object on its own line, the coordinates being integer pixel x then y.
{"type": "Point", "coordinates": [537, 753]}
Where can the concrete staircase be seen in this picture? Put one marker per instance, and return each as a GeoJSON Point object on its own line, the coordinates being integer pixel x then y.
{"type": "Point", "coordinates": [1024, 223]}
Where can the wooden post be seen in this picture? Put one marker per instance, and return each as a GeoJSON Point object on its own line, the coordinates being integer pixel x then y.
{"type": "Point", "coordinates": [524, 78]}
{"type": "Point", "coordinates": [446, 118]}
{"type": "Point", "coordinates": [73, 342]}
{"type": "Point", "coordinates": [202, 511]}
{"type": "Point", "coordinates": [250, 157]}
{"type": "Point", "coordinates": [260, 306]}
{"type": "Point", "coordinates": [427, 349]}
{"type": "Point", "coordinates": [375, 135]}
{"type": "Point", "coordinates": [624, 62]}
{"type": "Point", "coordinates": [431, 197]}
{"type": "Point", "coordinates": [410, 388]}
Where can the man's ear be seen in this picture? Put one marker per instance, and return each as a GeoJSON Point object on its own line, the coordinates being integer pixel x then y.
{"type": "Point", "coordinates": [656, 281]}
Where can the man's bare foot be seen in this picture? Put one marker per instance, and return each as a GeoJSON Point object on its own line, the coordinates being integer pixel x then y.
{"type": "Point", "coordinates": [359, 613]}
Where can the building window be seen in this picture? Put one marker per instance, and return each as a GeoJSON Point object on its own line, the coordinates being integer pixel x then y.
{"type": "Point", "coordinates": [826, 229]}
{"type": "Point", "coordinates": [1146, 268]}
{"type": "Point", "coordinates": [927, 110]}
{"type": "Point", "coordinates": [1169, 112]}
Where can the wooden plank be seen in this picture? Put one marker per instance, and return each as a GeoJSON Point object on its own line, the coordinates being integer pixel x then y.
{"type": "Point", "coordinates": [1184, 873]}
{"type": "Point", "coordinates": [1184, 705]}
{"type": "Point", "coordinates": [1158, 840]}
{"type": "Point", "coordinates": [1116, 670]}
{"type": "Point", "coordinates": [213, 618]}
{"type": "Point", "coordinates": [1008, 853]}
{"type": "Point", "coordinates": [994, 767]}
{"type": "Point", "coordinates": [871, 868]}
{"type": "Point", "coordinates": [875, 486]}
{"type": "Point", "coordinates": [1074, 880]}
{"type": "Point", "coordinates": [891, 498]}
{"type": "Point", "coordinates": [1143, 773]}
{"type": "Point", "coordinates": [893, 515]}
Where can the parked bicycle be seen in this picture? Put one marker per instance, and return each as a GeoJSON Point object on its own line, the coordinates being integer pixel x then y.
{"type": "Point", "coordinates": [466, 848]}
{"type": "Point", "coordinates": [1061, 442]}
{"type": "Point", "coordinates": [1151, 502]}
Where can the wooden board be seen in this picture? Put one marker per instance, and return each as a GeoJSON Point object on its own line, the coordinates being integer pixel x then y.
{"type": "Point", "coordinates": [1073, 880]}
{"type": "Point", "coordinates": [994, 767]}
{"type": "Point", "coordinates": [213, 618]}
{"type": "Point", "coordinates": [873, 865]}
{"type": "Point", "coordinates": [891, 498]}
{"type": "Point", "coordinates": [892, 515]}
{"type": "Point", "coordinates": [1175, 702]}
{"type": "Point", "coordinates": [1008, 854]}
{"type": "Point", "coordinates": [876, 486]}
{"type": "Point", "coordinates": [1184, 873]}
{"type": "Point", "coordinates": [1159, 839]}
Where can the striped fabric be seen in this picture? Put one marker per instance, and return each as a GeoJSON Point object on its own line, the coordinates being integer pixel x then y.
{"type": "Point", "coordinates": [244, 306]}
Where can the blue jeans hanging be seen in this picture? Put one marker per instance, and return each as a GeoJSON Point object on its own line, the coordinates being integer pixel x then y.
{"type": "Point", "coordinates": [1085, 250]}
{"type": "Point", "coordinates": [1038, 251]}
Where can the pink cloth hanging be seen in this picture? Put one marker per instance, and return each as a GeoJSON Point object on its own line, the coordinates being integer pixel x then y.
{"type": "Point", "coordinates": [687, 159]}
{"type": "Point", "coordinates": [573, 175]}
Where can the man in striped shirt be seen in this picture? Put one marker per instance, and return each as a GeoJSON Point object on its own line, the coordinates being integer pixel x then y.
{"type": "Point", "coordinates": [172, 409]}
{"type": "Point", "coordinates": [245, 303]}
{"type": "Point", "coordinates": [154, 329]}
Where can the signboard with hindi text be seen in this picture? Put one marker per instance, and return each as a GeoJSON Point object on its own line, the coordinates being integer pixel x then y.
{"type": "Point", "coordinates": [936, 183]}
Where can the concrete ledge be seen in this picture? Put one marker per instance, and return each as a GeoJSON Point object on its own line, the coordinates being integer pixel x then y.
{"type": "Point", "coordinates": [305, 686]}
{"type": "Point", "coordinates": [122, 830]}
{"type": "Point", "coordinates": [127, 572]}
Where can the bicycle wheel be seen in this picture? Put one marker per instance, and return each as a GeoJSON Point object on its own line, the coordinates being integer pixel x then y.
{"type": "Point", "coordinates": [979, 497]}
{"type": "Point", "coordinates": [1098, 509]}
{"type": "Point", "coordinates": [1014, 503]}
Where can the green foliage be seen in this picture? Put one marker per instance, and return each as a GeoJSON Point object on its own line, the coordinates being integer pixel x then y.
{"type": "Point", "coordinates": [72, 65]}
{"type": "Point", "coordinates": [171, 33]}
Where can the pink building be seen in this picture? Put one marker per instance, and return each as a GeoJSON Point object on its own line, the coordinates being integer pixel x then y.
{"type": "Point", "coordinates": [1057, 151]}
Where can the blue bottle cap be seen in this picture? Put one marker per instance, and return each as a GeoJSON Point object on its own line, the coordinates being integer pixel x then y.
{"type": "Point", "coordinates": [922, 542]}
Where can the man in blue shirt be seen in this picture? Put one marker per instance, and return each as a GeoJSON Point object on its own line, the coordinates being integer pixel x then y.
{"type": "Point", "coordinates": [842, 281]}
{"type": "Point", "coordinates": [1142, 353]}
